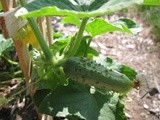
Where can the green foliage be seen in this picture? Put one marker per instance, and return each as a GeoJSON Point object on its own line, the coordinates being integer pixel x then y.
{"type": "Point", "coordinates": [62, 96]}
{"type": "Point", "coordinates": [9, 67]}
{"type": "Point", "coordinates": [99, 26]}
{"type": "Point", "coordinates": [3, 100]}
{"type": "Point", "coordinates": [119, 111]}
{"type": "Point", "coordinates": [4, 44]}
{"type": "Point", "coordinates": [76, 99]}
{"type": "Point", "coordinates": [8, 60]}
{"type": "Point", "coordinates": [78, 8]}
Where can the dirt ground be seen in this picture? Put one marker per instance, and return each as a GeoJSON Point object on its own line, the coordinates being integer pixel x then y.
{"type": "Point", "coordinates": [137, 51]}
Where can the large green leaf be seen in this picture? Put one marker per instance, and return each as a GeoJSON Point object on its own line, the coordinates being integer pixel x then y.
{"type": "Point", "coordinates": [99, 26]}
{"type": "Point", "coordinates": [76, 8]}
{"type": "Point", "coordinates": [76, 99]}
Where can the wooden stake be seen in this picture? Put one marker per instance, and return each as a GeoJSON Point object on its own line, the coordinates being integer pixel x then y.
{"type": "Point", "coordinates": [49, 30]}
{"type": "Point", "coordinates": [24, 58]}
{"type": "Point", "coordinates": [5, 5]}
{"type": "Point", "coordinates": [11, 4]}
{"type": "Point", "coordinates": [42, 26]}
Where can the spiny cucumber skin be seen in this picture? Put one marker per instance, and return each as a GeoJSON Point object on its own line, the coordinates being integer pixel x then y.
{"type": "Point", "coordinates": [88, 72]}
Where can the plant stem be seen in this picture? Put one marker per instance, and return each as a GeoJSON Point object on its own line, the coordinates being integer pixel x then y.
{"type": "Point", "coordinates": [40, 39]}
{"type": "Point", "coordinates": [9, 60]}
{"type": "Point", "coordinates": [39, 36]}
{"type": "Point", "coordinates": [78, 39]}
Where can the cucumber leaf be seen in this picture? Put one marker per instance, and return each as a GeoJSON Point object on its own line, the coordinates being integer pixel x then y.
{"type": "Point", "coordinates": [76, 8]}
{"type": "Point", "coordinates": [117, 107]}
{"type": "Point", "coordinates": [99, 26]}
{"type": "Point", "coordinates": [71, 20]}
{"type": "Point", "coordinates": [120, 111]}
{"type": "Point", "coordinates": [76, 99]}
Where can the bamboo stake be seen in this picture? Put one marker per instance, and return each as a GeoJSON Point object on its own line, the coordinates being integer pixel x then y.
{"type": "Point", "coordinates": [24, 58]}
{"type": "Point", "coordinates": [5, 5]}
{"type": "Point", "coordinates": [42, 26]}
{"type": "Point", "coordinates": [49, 30]}
{"type": "Point", "coordinates": [11, 4]}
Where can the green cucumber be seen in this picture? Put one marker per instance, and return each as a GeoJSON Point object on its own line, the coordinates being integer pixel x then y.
{"type": "Point", "coordinates": [90, 73]}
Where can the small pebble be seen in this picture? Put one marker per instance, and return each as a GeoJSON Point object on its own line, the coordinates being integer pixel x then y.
{"type": "Point", "coordinates": [145, 106]}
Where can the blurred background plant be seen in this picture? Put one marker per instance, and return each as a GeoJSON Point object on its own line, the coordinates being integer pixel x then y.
{"type": "Point", "coordinates": [152, 15]}
{"type": "Point", "coordinates": [9, 67]}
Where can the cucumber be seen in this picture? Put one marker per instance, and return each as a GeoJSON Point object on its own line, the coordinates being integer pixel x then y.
{"type": "Point", "coordinates": [88, 72]}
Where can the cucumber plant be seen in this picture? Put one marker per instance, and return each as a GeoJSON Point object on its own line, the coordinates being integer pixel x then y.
{"type": "Point", "coordinates": [72, 79]}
